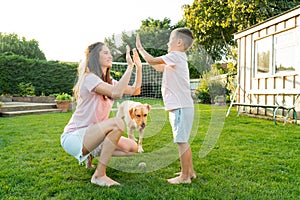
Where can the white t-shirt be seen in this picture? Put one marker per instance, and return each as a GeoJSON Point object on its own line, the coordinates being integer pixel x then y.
{"type": "Point", "coordinates": [176, 81]}
{"type": "Point", "coordinates": [91, 107]}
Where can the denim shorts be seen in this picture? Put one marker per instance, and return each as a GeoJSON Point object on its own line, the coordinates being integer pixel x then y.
{"type": "Point", "coordinates": [72, 143]}
{"type": "Point", "coordinates": [181, 121]}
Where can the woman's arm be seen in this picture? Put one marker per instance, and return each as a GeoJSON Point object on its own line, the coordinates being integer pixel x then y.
{"type": "Point", "coordinates": [117, 91]}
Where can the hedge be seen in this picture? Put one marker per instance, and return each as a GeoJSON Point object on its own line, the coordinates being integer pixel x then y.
{"type": "Point", "coordinates": [47, 77]}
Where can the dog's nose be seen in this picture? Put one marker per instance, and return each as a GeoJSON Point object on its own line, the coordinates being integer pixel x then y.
{"type": "Point", "coordinates": [143, 125]}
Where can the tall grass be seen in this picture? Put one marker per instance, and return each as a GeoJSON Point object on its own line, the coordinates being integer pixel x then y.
{"type": "Point", "coordinates": [251, 159]}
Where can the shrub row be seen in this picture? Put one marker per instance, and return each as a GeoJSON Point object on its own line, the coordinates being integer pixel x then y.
{"type": "Point", "coordinates": [46, 77]}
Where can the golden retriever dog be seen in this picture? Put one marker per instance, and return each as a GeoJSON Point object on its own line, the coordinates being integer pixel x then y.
{"type": "Point", "coordinates": [135, 116]}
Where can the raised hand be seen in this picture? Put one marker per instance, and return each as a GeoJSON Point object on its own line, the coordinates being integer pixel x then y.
{"type": "Point", "coordinates": [138, 42]}
{"type": "Point", "coordinates": [128, 57]}
{"type": "Point", "coordinates": [136, 58]}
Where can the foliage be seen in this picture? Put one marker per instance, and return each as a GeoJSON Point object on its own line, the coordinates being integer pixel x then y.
{"type": "Point", "coordinates": [252, 159]}
{"type": "Point", "coordinates": [215, 21]}
{"type": "Point", "coordinates": [211, 84]}
{"type": "Point", "coordinates": [26, 89]}
{"type": "Point", "coordinates": [199, 61]}
{"type": "Point", "coordinates": [218, 97]}
{"type": "Point", "coordinates": [63, 97]}
{"type": "Point", "coordinates": [155, 36]}
{"type": "Point", "coordinates": [202, 92]}
{"type": "Point", "coordinates": [117, 75]}
{"type": "Point", "coordinates": [11, 44]}
{"type": "Point", "coordinates": [203, 96]}
{"type": "Point", "coordinates": [231, 80]}
{"type": "Point", "coordinates": [46, 77]}
{"type": "Point", "coordinates": [216, 88]}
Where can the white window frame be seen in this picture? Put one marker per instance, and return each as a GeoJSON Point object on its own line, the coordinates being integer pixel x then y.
{"type": "Point", "coordinates": [267, 43]}
{"type": "Point", "coordinates": [273, 47]}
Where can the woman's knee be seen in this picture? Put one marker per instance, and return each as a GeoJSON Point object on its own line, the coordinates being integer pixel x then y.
{"type": "Point", "coordinates": [118, 124]}
{"type": "Point", "coordinates": [134, 148]}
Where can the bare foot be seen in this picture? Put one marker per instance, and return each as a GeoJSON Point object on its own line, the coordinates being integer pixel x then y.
{"type": "Point", "coordinates": [192, 175]}
{"type": "Point", "coordinates": [179, 180]}
{"type": "Point", "coordinates": [104, 181]}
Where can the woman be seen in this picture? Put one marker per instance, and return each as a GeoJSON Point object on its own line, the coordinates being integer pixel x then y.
{"type": "Point", "coordinates": [89, 125]}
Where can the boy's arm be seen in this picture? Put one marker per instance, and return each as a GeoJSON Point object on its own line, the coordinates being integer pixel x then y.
{"type": "Point", "coordinates": [159, 67]}
{"type": "Point", "coordinates": [156, 62]}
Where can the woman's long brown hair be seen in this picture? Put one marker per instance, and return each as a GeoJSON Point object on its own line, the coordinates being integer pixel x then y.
{"type": "Point", "coordinates": [92, 65]}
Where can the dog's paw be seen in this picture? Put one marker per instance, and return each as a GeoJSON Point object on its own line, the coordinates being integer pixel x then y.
{"type": "Point", "coordinates": [140, 149]}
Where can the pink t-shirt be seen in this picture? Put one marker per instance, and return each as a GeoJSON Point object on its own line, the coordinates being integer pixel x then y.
{"type": "Point", "coordinates": [91, 107]}
{"type": "Point", "coordinates": [176, 81]}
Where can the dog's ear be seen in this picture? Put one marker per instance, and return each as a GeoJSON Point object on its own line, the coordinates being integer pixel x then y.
{"type": "Point", "coordinates": [148, 106]}
{"type": "Point", "coordinates": [131, 113]}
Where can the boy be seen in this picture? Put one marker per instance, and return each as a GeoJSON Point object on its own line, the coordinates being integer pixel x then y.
{"type": "Point", "coordinates": [176, 95]}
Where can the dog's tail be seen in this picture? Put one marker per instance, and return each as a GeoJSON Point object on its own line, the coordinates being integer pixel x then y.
{"type": "Point", "coordinates": [120, 112]}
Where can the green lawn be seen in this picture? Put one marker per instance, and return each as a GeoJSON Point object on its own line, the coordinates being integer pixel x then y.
{"type": "Point", "coordinates": [239, 158]}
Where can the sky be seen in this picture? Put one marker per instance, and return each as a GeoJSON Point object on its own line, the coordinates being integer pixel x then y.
{"type": "Point", "coordinates": [64, 28]}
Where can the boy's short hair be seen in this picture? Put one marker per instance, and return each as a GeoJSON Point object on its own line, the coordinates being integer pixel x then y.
{"type": "Point", "coordinates": [186, 35]}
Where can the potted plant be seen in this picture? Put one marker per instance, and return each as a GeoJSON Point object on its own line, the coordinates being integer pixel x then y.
{"type": "Point", "coordinates": [63, 101]}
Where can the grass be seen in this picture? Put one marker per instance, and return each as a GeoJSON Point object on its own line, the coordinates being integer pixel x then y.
{"type": "Point", "coordinates": [246, 158]}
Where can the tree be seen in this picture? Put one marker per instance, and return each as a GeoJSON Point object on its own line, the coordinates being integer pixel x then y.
{"type": "Point", "coordinates": [12, 44]}
{"type": "Point", "coordinates": [154, 35]}
{"type": "Point", "coordinates": [214, 22]}
{"type": "Point", "coordinates": [199, 61]}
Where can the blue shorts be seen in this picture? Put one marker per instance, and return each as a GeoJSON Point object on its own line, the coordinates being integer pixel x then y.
{"type": "Point", "coordinates": [72, 143]}
{"type": "Point", "coordinates": [181, 121]}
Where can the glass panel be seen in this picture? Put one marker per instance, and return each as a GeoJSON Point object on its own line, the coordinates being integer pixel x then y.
{"type": "Point", "coordinates": [263, 55]}
{"type": "Point", "coordinates": [285, 49]}
{"type": "Point", "coordinates": [285, 59]}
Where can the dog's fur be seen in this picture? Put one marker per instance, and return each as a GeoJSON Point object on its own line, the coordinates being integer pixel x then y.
{"type": "Point", "coordinates": [135, 116]}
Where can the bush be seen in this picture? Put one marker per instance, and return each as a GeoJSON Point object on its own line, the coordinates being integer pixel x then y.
{"type": "Point", "coordinates": [211, 85]}
{"type": "Point", "coordinates": [47, 77]}
{"type": "Point", "coordinates": [26, 89]}
{"type": "Point", "coordinates": [216, 88]}
{"type": "Point", "coordinates": [204, 97]}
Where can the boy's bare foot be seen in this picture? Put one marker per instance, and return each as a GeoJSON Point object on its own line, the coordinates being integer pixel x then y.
{"type": "Point", "coordinates": [179, 180]}
{"type": "Point", "coordinates": [104, 181]}
{"type": "Point", "coordinates": [192, 175]}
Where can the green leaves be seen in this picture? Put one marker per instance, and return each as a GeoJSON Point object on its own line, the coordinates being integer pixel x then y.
{"type": "Point", "coordinates": [12, 44]}
{"type": "Point", "coordinates": [214, 22]}
{"type": "Point", "coordinates": [63, 97]}
{"type": "Point", "coordinates": [46, 77]}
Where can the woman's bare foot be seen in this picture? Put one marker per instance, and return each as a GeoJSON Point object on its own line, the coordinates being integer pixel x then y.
{"type": "Point", "coordinates": [104, 181]}
{"type": "Point", "coordinates": [179, 180]}
{"type": "Point", "coordinates": [192, 175]}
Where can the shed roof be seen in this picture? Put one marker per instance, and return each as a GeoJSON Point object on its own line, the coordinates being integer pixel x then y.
{"type": "Point", "coordinates": [269, 22]}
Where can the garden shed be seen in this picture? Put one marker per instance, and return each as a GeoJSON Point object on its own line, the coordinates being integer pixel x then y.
{"type": "Point", "coordinates": [269, 66]}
